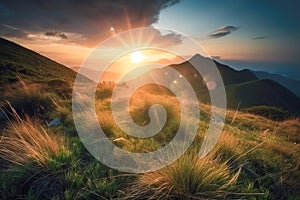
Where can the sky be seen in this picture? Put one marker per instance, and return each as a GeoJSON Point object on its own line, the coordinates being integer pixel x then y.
{"type": "Point", "coordinates": [256, 34]}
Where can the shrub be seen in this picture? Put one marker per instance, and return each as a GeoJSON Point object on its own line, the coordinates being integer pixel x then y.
{"type": "Point", "coordinates": [104, 91]}
{"type": "Point", "coordinates": [60, 87]}
{"type": "Point", "coordinates": [270, 112]}
{"type": "Point", "coordinates": [28, 101]}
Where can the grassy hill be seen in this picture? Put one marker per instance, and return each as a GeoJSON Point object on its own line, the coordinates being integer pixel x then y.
{"type": "Point", "coordinates": [16, 60]}
{"type": "Point", "coordinates": [244, 88]}
{"type": "Point", "coordinates": [29, 81]}
{"type": "Point", "coordinates": [262, 92]}
{"type": "Point", "coordinates": [291, 84]}
{"type": "Point", "coordinates": [255, 158]}
{"type": "Point", "coordinates": [229, 75]}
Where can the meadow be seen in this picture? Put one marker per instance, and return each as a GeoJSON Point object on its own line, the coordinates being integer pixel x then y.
{"type": "Point", "coordinates": [255, 158]}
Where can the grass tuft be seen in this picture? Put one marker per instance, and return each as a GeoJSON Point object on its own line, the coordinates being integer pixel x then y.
{"type": "Point", "coordinates": [27, 140]}
{"type": "Point", "coordinates": [189, 177]}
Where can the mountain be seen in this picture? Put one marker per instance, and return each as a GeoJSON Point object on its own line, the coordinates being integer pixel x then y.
{"type": "Point", "coordinates": [19, 62]}
{"type": "Point", "coordinates": [291, 84]}
{"type": "Point", "coordinates": [262, 92]}
{"type": "Point", "coordinates": [229, 75]}
{"type": "Point", "coordinates": [243, 88]}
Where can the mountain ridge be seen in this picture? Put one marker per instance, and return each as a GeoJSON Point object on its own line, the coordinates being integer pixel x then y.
{"type": "Point", "coordinates": [291, 84]}
{"type": "Point", "coordinates": [242, 87]}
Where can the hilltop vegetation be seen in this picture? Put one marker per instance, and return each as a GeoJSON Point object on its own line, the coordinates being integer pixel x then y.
{"type": "Point", "coordinates": [255, 157]}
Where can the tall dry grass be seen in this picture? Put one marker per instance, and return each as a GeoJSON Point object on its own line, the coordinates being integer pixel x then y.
{"type": "Point", "coordinates": [26, 100]}
{"type": "Point", "coordinates": [26, 140]}
{"type": "Point", "coordinates": [188, 178]}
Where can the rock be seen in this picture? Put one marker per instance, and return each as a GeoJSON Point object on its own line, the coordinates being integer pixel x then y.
{"type": "Point", "coordinates": [54, 122]}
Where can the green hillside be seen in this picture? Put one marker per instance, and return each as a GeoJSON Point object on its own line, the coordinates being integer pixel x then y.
{"type": "Point", "coordinates": [16, 60]}
{"type": "Point", "coordinates": [243, 87]}
{"type": "Point", "coordinates": [291, 84]}
{"type": "Point", "coordinates": [262, 92]}
{"type": "Point", "coordinates": [42, 157]}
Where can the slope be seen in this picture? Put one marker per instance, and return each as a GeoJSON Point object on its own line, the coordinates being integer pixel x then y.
{"type": "Point", "coordinates": [262, 92]}
{"type": "Point", "coordinates": [291, 84]}
{"type": "Point", "coordinates": [16, 60]}
{"type": "Point", "coordinates": [241, 86]}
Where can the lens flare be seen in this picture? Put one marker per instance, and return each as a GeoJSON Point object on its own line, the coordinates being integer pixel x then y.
{"type": "Point", "coordinates": [136, 57]}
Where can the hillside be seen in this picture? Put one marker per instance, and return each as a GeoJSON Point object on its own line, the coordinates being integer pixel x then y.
{"type": "Point", "coordinates": [16, 60]}
{"type": "Point", "coordinates": [262, 92]}
{"type": "Point", "coordinates": [244, 88]}
{"type": "Point", "coordinates": [291, 84]}
{"type": "Point", "coordinates": [229, 75]}
{"type": "Point", "coordinates": [42, 157]}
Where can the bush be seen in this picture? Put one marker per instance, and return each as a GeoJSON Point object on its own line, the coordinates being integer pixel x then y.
{"type": "Point", "coordinates": [60, 87]}
{"type": "Point", "coordinates": [104, 90]}
{"type": "Point", "coordinates": [28, 101]}
{"type": "Point", "coordinates": [269, 112]}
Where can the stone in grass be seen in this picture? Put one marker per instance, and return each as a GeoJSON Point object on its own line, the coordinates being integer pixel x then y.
{"type": "Point", "coordinates": [54, 122]}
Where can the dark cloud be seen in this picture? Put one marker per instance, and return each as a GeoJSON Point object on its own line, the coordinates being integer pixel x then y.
{"type": "Point", "coordinates": [259, 38]}
{"type": "Point", "coordinates": [50, 33]}
{"type": "Point", "coordinates": [148, 36]}
{"type": "Point", "coordinates": [223, 31]}
{"type": "Point", "coordinates": [10, 31]}
{"type": "Point", "coordinates": [56, 34]}
{"type": "Point", "coordinates": [91, 19]}
{"type": "Point", "coordinates": [216, 57]}
{"type": "Point", "coordinates": [63, 36]}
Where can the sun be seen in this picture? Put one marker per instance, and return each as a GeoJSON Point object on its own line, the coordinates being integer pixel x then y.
{"type": "Point", "coordinates": [136, 56]}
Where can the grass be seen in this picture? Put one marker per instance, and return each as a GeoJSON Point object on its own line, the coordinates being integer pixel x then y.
{"type": "Point", "coordinates": [26, 150]}
{"type": "Point", "coordinates": [270, 112]}
{"type": "Point", "coordinates": [189, 177]}
{"type": "Point", "coordinates": [27, 100]}
{"type": "Point", "coordinates": [18, 61]}
{"type": "Point", "coordinates": [24, 141]}
{"type": "Point", "coordinates": [255, 158]}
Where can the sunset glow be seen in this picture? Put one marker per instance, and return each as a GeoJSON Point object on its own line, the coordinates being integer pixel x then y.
{"type": "Point", "coordinates": [160, 99]}
{"type": "Point", "coordinates": [239, 41]}
{"type": "Point", "coordinates": [136, 57]}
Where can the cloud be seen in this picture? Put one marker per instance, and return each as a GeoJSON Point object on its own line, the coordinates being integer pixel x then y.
{"type": "Point", "coordinates": [90, 19]}
{"type": "Point", "coordinates": [216, 57]}
{"type": "Point", "coordinates": [223, 31]}
{"type": "Point", "coordinates": [11, 31]}
{"type": "Point", "coordinates": [146, 37]}
{"type": "Point", "coordinates": [259, 38]}
{"type": "Point", "coordinates": [56, 34]}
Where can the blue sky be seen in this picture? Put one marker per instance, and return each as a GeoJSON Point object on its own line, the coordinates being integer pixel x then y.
{"type": "Point", "coordinates": [267, 37]}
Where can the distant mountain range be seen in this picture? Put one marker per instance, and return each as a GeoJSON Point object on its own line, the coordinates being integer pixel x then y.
{"type": "Point", "coordinates": [247, 88]}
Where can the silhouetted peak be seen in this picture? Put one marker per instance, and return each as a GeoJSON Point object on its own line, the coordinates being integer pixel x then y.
{"type": "Point", "coordinates": [197, 57]}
